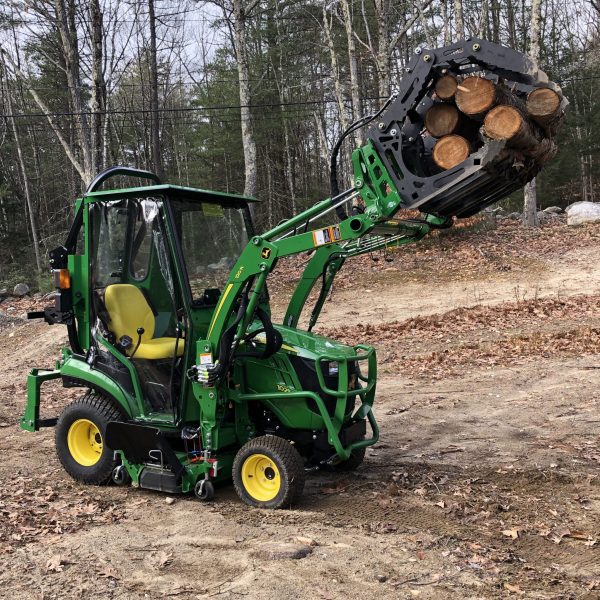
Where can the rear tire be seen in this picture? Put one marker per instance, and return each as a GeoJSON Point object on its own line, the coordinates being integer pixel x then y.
{"type": "Point", "coordinates": [80, 434]}
{"type": "Point", "coordinates": [268, 472]}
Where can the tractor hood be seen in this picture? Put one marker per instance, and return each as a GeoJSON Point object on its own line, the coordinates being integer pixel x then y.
{"type": "Point", "coordinates": [311, 345]}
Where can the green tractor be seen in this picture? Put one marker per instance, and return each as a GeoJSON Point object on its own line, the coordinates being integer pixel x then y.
{"type": "Point", "coordinates": [163, 290]}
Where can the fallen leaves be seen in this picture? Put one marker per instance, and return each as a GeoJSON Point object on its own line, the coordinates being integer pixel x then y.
{"type": "Point", "coordinates": [35, 511]}
{"type": "Point", "coordinates": [513, 331]}
{"type": "Point", "coordinates": [558, 534]}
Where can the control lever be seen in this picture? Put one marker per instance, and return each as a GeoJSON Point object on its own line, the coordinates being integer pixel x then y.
{"type": "Point", "coordinates": [140, 332]}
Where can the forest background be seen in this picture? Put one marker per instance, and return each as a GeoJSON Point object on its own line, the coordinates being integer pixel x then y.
{"type": "Point", "coordinates": [245, 96]}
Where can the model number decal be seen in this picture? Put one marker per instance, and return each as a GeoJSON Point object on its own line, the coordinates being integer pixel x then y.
{"type": "Point", "coordinates": [329, 235]}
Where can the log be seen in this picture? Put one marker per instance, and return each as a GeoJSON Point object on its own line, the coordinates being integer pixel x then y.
{"type": "Point", "coordinates": [508, 124]}
{"type": "Point", "coordinates": [475, 96]}
{"type": "Point", "coordinates": [546, 108]}
{"type": "Point", "coordinates": [445, 87]}
{"type": "Point", "coordinates": [444, 118]}
{"type": "Point", "coordinates": [450, 151]}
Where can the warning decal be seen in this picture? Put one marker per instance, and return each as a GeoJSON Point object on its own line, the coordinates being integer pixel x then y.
{"type": "Point", "coordinates": [329, 235]}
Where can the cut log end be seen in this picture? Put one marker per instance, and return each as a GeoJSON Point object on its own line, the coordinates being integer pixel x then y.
{"type": "Point", "coordinates": [503, 123]}
{"type": "Point", "coordinates": [445, 87]}
{"type": "Point", "coordinates": [475, 95]}
{"type": "Point", "coordinates": [442, 119]}
{"type": "Point", "coordinates": [543, 102]}
{"type": "Point", "coordinates": [450, 151]}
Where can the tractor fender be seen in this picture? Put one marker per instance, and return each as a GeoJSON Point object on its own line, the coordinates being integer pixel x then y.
{"type": "Point", "coordinates": [78, 373]}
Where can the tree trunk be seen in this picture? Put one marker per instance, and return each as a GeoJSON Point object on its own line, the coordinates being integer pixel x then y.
{"type": "Point", "coordinates": [23, 169]}
{"type": "Point", "coordinates": [243, 67]}
{"type": "Point", "coordinates": [352, 61]}
{"type": "Point", "coordinates": [157, 163]}
{"type": "Point", "coordinates": [530, 218]}
{"type": "Point", "coordinates": [67, 28]}
{"type": "Point", "coordinates": [98, 95]}
{"type": "Point", "coordinates": [459, 19]}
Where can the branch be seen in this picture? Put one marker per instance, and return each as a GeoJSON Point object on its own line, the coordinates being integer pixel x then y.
{"type": "Point", "coordinates": [251, 7]}
{"type": "Point", "coordinates": [44, 108]}
{"type": "Point", "coordinates": [408, 25]}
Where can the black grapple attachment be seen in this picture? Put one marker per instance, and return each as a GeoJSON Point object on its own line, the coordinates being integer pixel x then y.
{"type": "Point", "coordinates": [470, 124]}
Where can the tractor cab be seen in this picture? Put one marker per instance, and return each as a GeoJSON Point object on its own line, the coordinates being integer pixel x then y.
{"type": "Point", "coordinates": [149, 265]}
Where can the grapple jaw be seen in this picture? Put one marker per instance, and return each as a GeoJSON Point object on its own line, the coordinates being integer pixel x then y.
{"type": "Point", "coordinates": [493, 168]}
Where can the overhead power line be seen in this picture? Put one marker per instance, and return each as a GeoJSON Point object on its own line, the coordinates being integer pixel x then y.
{"type": "Point", "coordinates": [187, 109]}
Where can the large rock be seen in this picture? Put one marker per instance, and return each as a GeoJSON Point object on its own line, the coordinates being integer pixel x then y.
{"type": "Point", "coordinates": [580, 213]}
{"type": "Point", "coordinates": [21, 289]}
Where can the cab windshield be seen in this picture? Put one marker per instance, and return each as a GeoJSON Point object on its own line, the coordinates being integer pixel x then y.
{"type": "Point", "coordinates": [212, 238]}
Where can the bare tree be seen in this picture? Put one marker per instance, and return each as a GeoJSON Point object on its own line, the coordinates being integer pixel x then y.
{"type": "Point", "coordinates": [156, 153]}
{"type": "Point", "coordinates": [236, 14]}
{"type": "Point", "coordinates": [459, 21]}
{"type": "Point", "coordinates": [530, 217]}
{"type": "Point", "coordinates": [23, 170]}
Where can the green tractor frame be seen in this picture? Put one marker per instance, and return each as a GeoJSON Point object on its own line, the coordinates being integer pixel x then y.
{"type": "Point", "coordinates": [163, 290]}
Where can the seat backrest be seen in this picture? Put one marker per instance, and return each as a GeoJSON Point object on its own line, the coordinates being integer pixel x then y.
{"type": "Point", "coordinates": [128, 310]}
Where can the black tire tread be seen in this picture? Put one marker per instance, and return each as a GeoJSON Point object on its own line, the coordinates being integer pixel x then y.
{"type": "Point", "coordinates": [293, 476]}
{"type": "Point", "coordinates": [108, 411]}
{"type": "Point", "coordinates": [356, 459]}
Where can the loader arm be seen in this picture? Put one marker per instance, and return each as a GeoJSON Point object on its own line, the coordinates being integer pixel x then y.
{"type": "Point", "coordinates": [387, 179]}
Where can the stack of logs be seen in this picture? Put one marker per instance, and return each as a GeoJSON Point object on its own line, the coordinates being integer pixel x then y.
{"type": "Point", "coordinates": [474, 104]}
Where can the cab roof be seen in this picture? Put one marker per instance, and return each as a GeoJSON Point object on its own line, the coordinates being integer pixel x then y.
{"type": "Point", "coordinates": [171, 191]}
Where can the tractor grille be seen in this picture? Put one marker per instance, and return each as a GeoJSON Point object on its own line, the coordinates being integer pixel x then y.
{"type": "Point", "coordinates": [307, 374]}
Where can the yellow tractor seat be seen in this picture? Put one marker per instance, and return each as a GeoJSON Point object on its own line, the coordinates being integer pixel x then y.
{"type": "Point", "coordinates": [128, 310]}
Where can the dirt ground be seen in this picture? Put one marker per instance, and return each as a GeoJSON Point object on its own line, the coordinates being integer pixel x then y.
{"type": "Point", "coordinates": [485, 483]}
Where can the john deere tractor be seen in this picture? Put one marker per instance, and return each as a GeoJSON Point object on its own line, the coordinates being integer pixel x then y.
{"type": "Point", "coordinates": [187, 381]}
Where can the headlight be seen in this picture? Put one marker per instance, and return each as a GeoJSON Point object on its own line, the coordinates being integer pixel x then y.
{"type": "Point", "coordinates": [333, 369]}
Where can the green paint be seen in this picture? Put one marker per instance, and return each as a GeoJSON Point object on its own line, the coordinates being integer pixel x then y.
{"type": "Point", "coordinates": [229, 414]}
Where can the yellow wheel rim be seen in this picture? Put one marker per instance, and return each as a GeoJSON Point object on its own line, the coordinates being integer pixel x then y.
{"type": "Point", "coordinates": [85, 442]}
{"type": "Point", "coordinates": [261, 477]}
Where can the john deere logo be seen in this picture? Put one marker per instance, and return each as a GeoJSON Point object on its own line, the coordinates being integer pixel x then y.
{"type": "Point", "coordinates": [266, 252]}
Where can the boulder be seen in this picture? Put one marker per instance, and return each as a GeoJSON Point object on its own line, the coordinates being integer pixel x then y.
{"type": "Point", "coordinates": [515, 216]}
{"type": "Point", "coordinates": [580, 213]}
{"type": "Point", "coordinates": [553, 210]}
{"type": "Point", "coordinates": [547, 217]}
{"type": "Point", "coordinates": [3, 292]}
{"type": "Point", "coordinates": [21, 289]}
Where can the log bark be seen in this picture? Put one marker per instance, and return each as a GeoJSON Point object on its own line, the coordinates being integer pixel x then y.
{"type": "Point", "coordinates": [445, 87]}
{"type": "Point", "coordinates": [450, 151]}
{"type": "Point", "coordinates": [508, 124]}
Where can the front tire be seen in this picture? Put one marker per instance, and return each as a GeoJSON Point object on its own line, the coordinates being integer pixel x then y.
{"type": "Point", "coordinates": [268, 472]}
{"type": "Point", "coordinates": [353, 462]}
{"type": "Point", "coordinates": [80, 434]}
